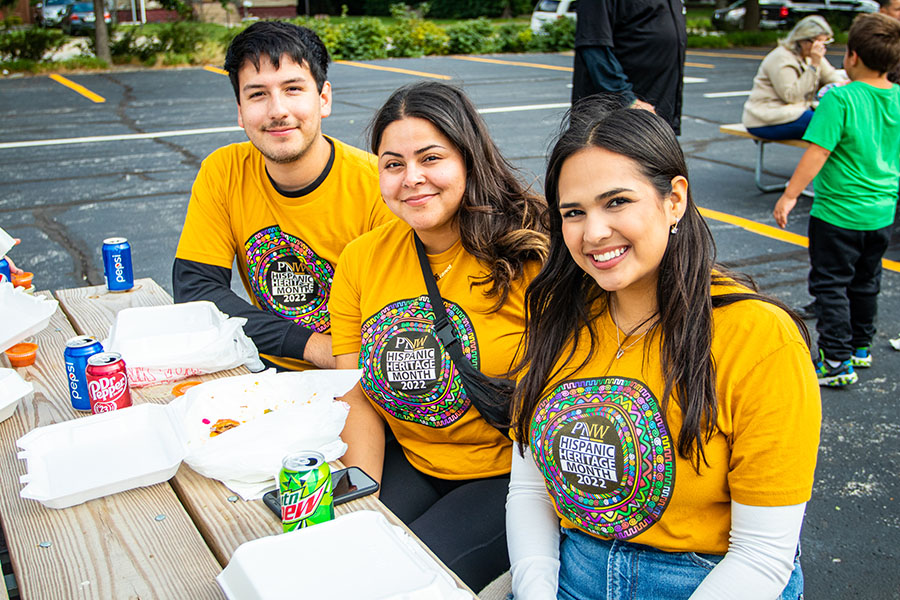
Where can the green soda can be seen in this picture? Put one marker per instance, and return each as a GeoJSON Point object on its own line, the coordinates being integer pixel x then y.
{"type": "Point", "coordinates": [304, 488]}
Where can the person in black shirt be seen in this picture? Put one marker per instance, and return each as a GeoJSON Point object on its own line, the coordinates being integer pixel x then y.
{"type": "Point", "coordinates": [635, 48]}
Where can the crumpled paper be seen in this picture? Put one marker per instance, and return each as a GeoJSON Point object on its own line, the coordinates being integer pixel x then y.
{"type": "Point", "coordinates": [280, 413]}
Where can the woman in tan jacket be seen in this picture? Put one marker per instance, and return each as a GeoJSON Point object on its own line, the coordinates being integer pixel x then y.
{"type": "Point", "coordinates": [784, 89]}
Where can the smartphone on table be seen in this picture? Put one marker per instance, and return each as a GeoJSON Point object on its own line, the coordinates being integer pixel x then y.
{"type": "Point", "coordinates": [346, 485]}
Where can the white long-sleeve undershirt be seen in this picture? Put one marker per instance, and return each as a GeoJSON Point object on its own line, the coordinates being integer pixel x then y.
{"type": "Point", "coordinates": [757, 565]}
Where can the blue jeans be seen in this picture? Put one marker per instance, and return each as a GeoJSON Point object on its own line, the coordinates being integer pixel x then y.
{"type": "Point", "coordinates": [785, 131]}
{"type": "Point", "coordinates": [595, 569]}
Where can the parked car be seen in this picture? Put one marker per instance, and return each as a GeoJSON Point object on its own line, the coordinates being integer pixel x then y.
{"type": "Point", "coordinates": [784, 14]}
{"type": "Point", "coordinates": [49, 12]}
{"type": "Point", "coordinates": [79, 18]}
{"type": "Point", "coordinates": [547, 11]}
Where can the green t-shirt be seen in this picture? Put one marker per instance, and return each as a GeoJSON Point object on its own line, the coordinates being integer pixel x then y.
{"type": "Point", "coordinates": [860, 125]}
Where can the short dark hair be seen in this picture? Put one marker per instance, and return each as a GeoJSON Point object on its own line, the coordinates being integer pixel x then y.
{"type": "Point", "coordinates": [875, 38]}
{"type": "Point", "coordinates": [276, 39]}
{"type": "Point", "coordinates": [884, 3]}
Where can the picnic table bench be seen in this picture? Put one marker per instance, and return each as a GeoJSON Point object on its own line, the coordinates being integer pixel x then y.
{"type": "Point", "coordinates": [168, 540]}
{"type": "Point", "coordinates": [739, 130]}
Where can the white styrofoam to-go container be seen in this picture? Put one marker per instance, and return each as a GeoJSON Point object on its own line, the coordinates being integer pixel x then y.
{"type": "Point", "coordinates": [23, 314]}
{"type": "Point", "coordinates": [358, 556]}
{"type": "Point", "coordinates": [82, 459]}
{"type": "Point", "coordinates": [12, 389]}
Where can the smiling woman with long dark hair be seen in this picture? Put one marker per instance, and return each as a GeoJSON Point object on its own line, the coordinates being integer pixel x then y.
{"type": "Point", "coordinates": [667, 415]}
{"type": "Point", "coordinates": [444, 470]}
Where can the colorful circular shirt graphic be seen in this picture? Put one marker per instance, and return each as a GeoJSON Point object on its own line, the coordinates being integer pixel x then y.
{"type": "Point", "coordinates": [288, 278]}
{"type": "Point", "coordinates": [605, 451]}
{"type": "Point", "coordinates": [406, 369]}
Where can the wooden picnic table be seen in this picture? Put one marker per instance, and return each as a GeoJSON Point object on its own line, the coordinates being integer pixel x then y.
{"type": "Point", "coordinates": [119, 546]}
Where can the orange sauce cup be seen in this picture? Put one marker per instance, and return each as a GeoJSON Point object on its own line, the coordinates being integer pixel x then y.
{"type": "Point", "coordinates": [23, 279]}
{"type": "Point", "coordinates": [22, 355]}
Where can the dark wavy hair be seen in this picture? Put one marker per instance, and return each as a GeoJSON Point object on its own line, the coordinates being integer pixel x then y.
{"type": "Point", "coordinates": [276, 39]}
{"type": "Point", "coordinates": [501, 222]}
{"type": "Point", "coordinates": [563, 300]}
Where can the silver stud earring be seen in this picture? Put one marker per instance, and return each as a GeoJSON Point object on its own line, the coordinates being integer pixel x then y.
{"type": "Point", "coordinates": [674, 229]}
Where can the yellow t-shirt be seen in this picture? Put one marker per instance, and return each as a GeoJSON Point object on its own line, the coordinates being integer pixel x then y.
{"type": "Point", "coordinates": [286, 247]}
{"type": "Point", "coordinates": [380, 308]}
{"type": "Point", "coordinates": [608, 453]}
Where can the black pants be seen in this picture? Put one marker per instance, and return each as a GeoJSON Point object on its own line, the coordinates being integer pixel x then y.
{"type": "Point", "coordinates": [463, 522]}
{"type": "Point", "coordinates": [845, 278]}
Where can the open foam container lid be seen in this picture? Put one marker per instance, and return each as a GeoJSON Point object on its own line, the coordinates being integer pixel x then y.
{"type": "Point", "coordinates": [23, 314]}
{"type": "Point", "coordinates": [75, 461]}
{"type": "Point", "coordinates": [354, 557]}
{"type": "Point", "coordinates": [12, 389]}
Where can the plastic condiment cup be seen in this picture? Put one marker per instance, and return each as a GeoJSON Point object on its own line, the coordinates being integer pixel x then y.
{"type": "Point", "coordinates": [23, 279]}
{"type": "Point", "coordinates": [22, 355]}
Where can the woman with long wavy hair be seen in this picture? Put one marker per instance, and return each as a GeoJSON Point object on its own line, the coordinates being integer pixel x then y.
{"type": "Point", "coordinates": [666, 414]}
{"type": "Point", "coordinates": [445, 469]}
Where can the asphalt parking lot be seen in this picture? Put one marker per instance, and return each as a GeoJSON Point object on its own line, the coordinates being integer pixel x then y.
{"type": "Point", "coordinates": [74, 170]}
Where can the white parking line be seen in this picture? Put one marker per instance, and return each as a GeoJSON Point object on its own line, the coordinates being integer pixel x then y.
{"type": "Point", "coordinates": [506, 109]}
{"type": "Point", "coordinates": [726, 94]}
{"type": "Point", "coordinates": [209, 130]}
{"type": "Point", "coordinates": [117, 138]}
{"type": "Point", "coordinates": [695, 79]}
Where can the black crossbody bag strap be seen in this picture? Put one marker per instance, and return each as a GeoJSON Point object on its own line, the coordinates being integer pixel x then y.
{"type": "Point", "coordinates": [491, 396]}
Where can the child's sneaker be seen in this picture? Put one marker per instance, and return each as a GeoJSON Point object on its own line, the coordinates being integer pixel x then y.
{"type": "Point", "coordinates": [861, 358]}
{"type": "Point", "coordinates": [838, 376]}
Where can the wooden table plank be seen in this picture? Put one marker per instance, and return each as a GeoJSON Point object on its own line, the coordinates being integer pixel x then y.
{"type": "Point", "coordinates": [225, 524]}
{"type": "Point", "coordinates": [112, 547]}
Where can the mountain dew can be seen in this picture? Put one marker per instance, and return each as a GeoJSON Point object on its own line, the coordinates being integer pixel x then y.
{"type": "Point", "coordinates": [304, 489]}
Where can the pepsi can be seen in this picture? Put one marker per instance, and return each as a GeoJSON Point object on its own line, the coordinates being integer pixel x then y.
{"type": "Point", "coordinates": [117, 264]}
{"type": "Point", "coordinates": [5, 274]}
{"type": "Point", "coordinates": [78, 350]}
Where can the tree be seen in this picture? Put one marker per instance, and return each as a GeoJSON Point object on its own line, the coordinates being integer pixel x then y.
{"type": "Point", "coordinates": [751, 16]}
{"type": "Point", "coordinates": [101, 35]}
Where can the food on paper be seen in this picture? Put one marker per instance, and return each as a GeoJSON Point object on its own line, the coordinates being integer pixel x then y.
{"type": "Point", "coordinates": [221, 426]}
{"type": "Point", "coordinates": [217, 409]}
{"type": "Point", "coordinates": [180, 388]}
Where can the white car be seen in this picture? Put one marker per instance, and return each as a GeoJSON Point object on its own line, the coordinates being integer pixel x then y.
{"type": "Point", "coordinates": [547, 11]}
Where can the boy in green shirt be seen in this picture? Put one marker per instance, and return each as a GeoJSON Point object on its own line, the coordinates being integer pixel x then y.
{"type": "Point", "coordinates": [854, 156]}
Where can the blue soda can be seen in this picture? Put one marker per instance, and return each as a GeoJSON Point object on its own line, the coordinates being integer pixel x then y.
{"type": "Point", "coordinates": [117, 264]}
{"type": "Point", "coordinates": [5, 274]}
{"type": "Point", "coordinates": [78, 350]}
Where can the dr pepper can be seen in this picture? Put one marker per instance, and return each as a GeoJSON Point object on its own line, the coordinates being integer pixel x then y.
{"type": "Point", "coordinates": [107, 382]}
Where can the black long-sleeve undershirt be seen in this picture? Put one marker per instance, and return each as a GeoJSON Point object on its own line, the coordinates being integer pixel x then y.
{"type": "Point", "coordinates": [272, 334]}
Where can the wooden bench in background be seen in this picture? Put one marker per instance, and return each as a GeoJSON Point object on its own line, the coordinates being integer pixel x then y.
{"type": "Point", "coordinates": [741, 131]}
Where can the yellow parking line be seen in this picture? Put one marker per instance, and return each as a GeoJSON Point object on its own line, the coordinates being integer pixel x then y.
{"type": "Point", "coordinates": [215, 70]}
{"type": "Point", "coordinates": [391, 69]}
{"type": "Point", "coordinates": [77, 88]}
{"type": "Point", "coordinates": [513, 63]}
{"type": "Point", "coordinates": [776, 233]}
{"type": "Point", "coordinates": [699, 65]}
{"type": "Point", "coordinates": [726, 55]}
